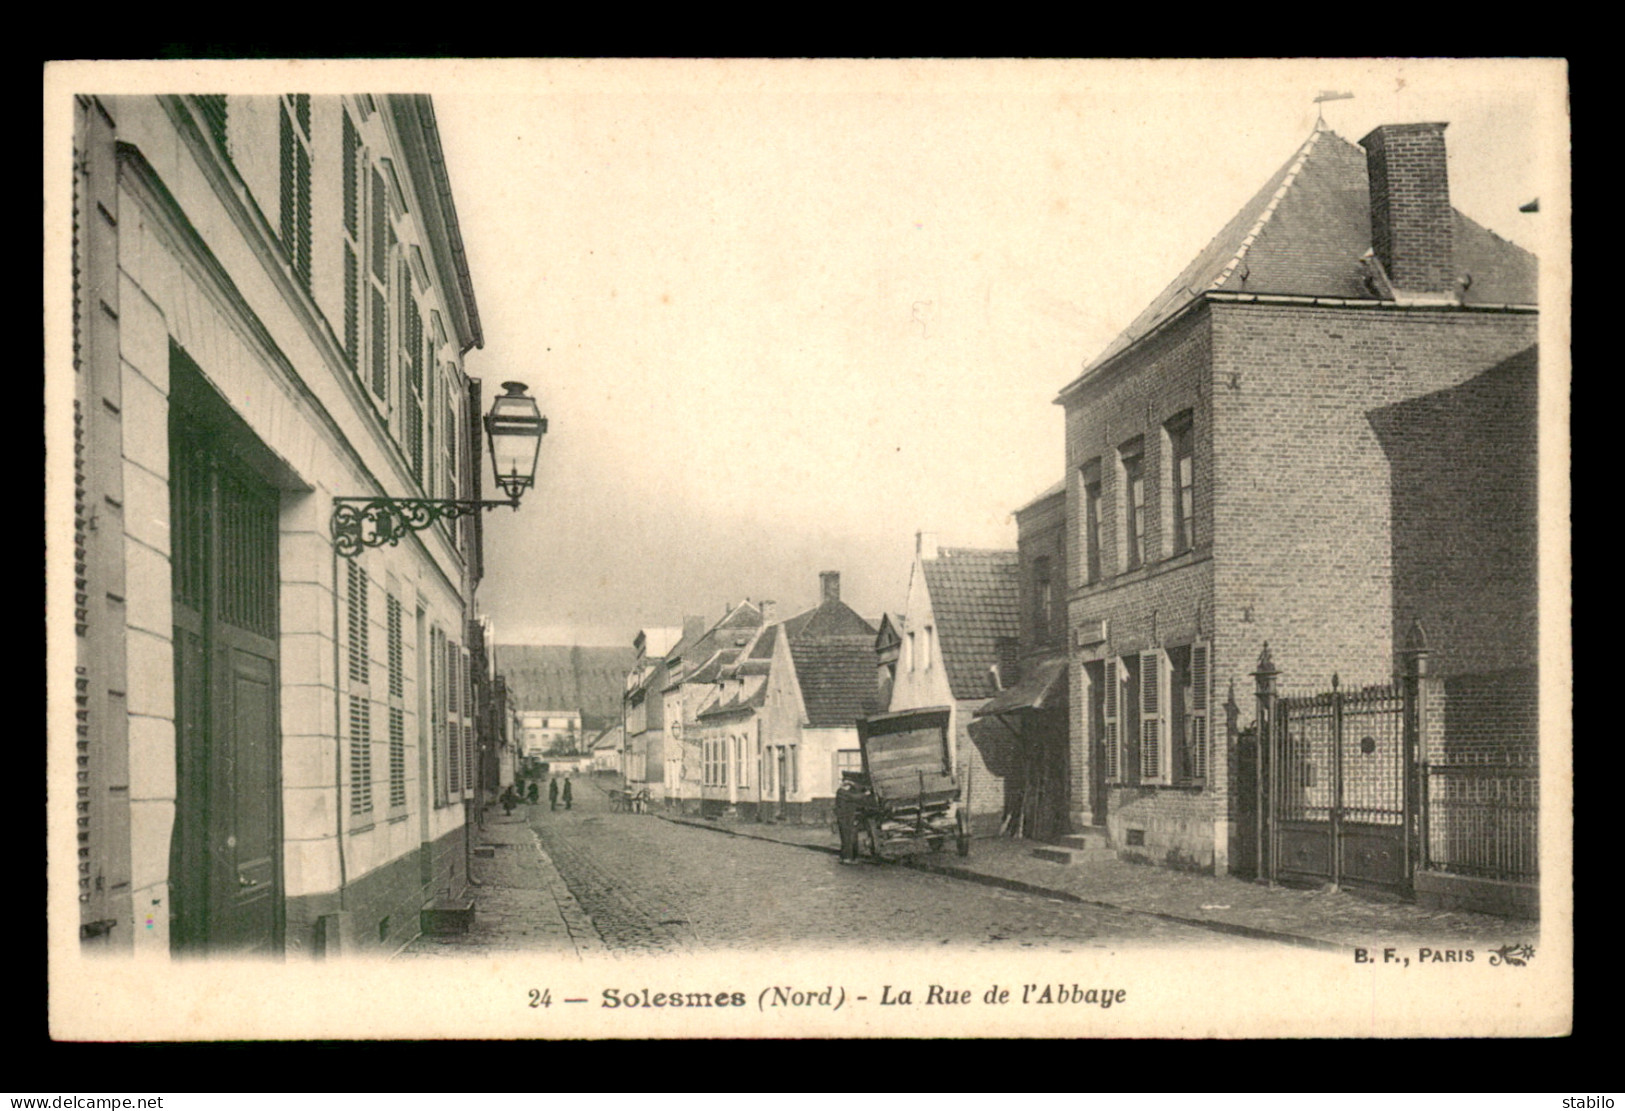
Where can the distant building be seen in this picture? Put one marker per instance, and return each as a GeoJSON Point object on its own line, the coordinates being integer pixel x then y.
{"type": "Point", "coordinates": [959, 635]}
{"type": "Point", "coordinates": [692, 665]}
{"type": "Point", "coordinates": [606, 749]}
{"type": "Point", "coordinates": [541, 730]}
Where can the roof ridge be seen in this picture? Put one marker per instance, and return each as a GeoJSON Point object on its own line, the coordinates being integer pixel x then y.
{"type": "Point", "coordinates": [1269, 209]}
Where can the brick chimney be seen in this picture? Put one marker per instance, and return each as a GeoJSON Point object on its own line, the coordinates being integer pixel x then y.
{"type": "Point", "coordinates": [1412, 225]}
{"type": "Point", "coordinates": [925, 545]}
{"type": "Point", "coordinates": [769, 609]}
{"type": "Point", "coordinates": [830, 585]}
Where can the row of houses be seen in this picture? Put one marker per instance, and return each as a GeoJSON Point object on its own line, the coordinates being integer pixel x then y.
{"type": "Point", "coordinates": [281, 747]}
{"type": "Point", "coordinates": [1308, 467]}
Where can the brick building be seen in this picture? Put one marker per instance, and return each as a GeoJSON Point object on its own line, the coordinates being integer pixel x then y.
{"type": "Point", "coordinates": [959, 634]}
{"type": "Point", "coordinates": [1322, 431]}
{"type": "Point", "coordinates": [277, 746]}
{"type": "Point", "coordinates": [1033, 694]}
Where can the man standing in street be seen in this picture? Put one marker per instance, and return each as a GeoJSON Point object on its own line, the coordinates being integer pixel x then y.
{"type": "Point", "coordinates": [848, 799]}
{"type": "Point", "coordinates": [567, 792]}
{"type": "Point", "coordinates": [553, 794]}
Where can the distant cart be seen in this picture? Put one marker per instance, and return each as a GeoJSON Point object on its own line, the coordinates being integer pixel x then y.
{"type": "Point", "coordinates": [912, 795]}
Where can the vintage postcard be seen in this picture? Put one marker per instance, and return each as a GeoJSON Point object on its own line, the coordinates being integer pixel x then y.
{"type": "Point", "coordinates": [747, 548]}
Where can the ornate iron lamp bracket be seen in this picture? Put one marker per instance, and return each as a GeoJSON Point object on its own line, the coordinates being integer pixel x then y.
{"type": "Point", "coordinates": [373, 522]}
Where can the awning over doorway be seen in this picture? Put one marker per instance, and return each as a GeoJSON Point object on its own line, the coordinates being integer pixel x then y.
{"type": "Point", "coordinates": [1044, 688]}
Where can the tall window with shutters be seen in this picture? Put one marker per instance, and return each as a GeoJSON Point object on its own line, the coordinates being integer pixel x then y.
{"type": "Point", "coordinates": [454, 721]}
{"type": "Point", "coordinates": [294, 227]}
{"type": "Point", "coordinates": [358, 676]}
{"type": "Point", "coordinates": [1155, 757]}
{"type": "Point", "coordinates": [1091, 522]}
{"type": "Point", "coordinates": [1180, 516]}
{"type": "Point", "coordinates": [1131, 502]}
{"type": "Point", "coordinates": [1188, 726]}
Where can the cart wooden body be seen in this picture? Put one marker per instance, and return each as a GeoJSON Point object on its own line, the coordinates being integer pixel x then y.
{"type": "Point", "coordinates": [913, 795]}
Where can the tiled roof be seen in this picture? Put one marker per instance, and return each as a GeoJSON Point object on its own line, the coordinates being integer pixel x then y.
{"type": "Point", "coordinates": [1304, 234]}
{"type": "Point", "coordinates": [742, 619]}
{"type": "Point", "coordinates": [737, 702]}
{"type": "Point", "coordinates": [837, 677]}
{"type": "Point", "coordinates": [975, 598]}
{"type": "Point", "coordinates": [712, 668]}
{"type": "Point", "coordinates": [832, 618]}
{"type": "Point", "coordinates": [763, 648]}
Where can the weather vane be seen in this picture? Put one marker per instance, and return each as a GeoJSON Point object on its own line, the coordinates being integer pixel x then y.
{"type": "Point", "coordinates": [1325, 95]}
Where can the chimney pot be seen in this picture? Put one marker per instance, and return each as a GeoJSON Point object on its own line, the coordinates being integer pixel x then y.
{"type": "Point", "coordinates": [830, 584]}
{"type": "Point", "coordinates": [1412, 223]}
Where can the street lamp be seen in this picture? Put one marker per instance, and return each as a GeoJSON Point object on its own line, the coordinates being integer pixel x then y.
{"type": "Point", "coordinates": [513, 428]}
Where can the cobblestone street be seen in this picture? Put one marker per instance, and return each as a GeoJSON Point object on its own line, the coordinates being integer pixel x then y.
{"type": "Point", "coordinates": [655, 886]}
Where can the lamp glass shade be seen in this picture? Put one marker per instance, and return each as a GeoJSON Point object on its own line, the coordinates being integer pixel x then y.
{"type": "Point", "coordinates": [514, 427]}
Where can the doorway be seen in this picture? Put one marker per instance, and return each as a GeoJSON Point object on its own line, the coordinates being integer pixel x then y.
{"type": "Point", "coordinates": [225, 855]}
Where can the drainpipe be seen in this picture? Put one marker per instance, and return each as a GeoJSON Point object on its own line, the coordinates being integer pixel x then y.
{"type": "Point", "coordinates": [338, 749]}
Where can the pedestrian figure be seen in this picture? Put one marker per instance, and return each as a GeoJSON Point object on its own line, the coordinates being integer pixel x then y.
{"type": "Point", "coordinates": [553, 794]}
{"type": "Point", "coordinates": [848, 801]}
{"type": "Point", "coordinates": [566, 794]}
{"type": "Point", "coordinates": [535, 791]}
{"type": "Point", "coordinates": [509, 800]}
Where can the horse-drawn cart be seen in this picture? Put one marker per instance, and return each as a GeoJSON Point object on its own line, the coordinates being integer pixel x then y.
{"type": "Point", "coordinates": [908, 792]}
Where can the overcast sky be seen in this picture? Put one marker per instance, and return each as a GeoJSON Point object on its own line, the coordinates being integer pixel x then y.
{"type": "Point", "coordinates": [781, 316]}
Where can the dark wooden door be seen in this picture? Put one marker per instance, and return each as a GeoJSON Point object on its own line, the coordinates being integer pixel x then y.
{"type": "Point", "coordinates": [226, 873]}
{"type": "Point", "coordinates": [1097, 742]}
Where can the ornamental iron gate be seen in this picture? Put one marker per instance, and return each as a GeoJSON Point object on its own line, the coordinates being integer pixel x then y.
{"type": "Point", "coordinates": [1338, 785]}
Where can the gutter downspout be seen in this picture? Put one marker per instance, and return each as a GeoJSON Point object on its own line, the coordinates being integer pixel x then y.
{"type": "Point", "coordinates": [338, 749]}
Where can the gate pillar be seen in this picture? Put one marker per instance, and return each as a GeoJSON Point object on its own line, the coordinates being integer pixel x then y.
{"type": "Point", "coordinates": [1413, 673]}
{"type": "Point", "coordinates": [1264, 679]}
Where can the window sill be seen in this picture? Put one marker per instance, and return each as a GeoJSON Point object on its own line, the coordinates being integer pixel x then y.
{"type": "Point", "coordinates": [1143, 572]}
{"type": "Point", "coordinates": [368, 828]}
{"type": "Point", "coordinates": [1189, 788]}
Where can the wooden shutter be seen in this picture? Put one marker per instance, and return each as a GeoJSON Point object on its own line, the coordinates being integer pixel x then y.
{"type": "Point", "coordinates": [360, 755]}
{"type": "Point", "coordinates": [285, 190]}
{"type": "Point", "coordinates": [454, 749]}
{"type": "Point", "coordinates": [397, 709]}
{"type": "Point", "coordinates": [1111, 695]}
{"type": "Point", "coordinates": [1199, 732]}
{"type": "Point", "coordinates": [1154, 754]}
{"type": "Point", "coordinates": [352, 178]}
{"type": "Point", "coordinates": [356, 611]}
{"type": "Point", "coordinates": [470, 764]}
{"type": "Point", "coordinates": [437, 714]}
{"type": "Point", "coordinates": [214, 114]}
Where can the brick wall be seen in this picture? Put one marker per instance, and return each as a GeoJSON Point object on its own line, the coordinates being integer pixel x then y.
{"type": "Point", "coordinates": [1041, 534]}
{"type": "Point", "coordinates": [1305, 549]}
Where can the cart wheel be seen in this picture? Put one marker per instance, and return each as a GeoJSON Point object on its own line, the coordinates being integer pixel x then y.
{"type": "Point", "coordinates": [873, 833]}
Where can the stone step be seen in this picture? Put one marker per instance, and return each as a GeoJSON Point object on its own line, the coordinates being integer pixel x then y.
{"type": "Point", "coordinates": [1065, 854]}
{"type": "Point", "coordinates": [1089, 839]}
